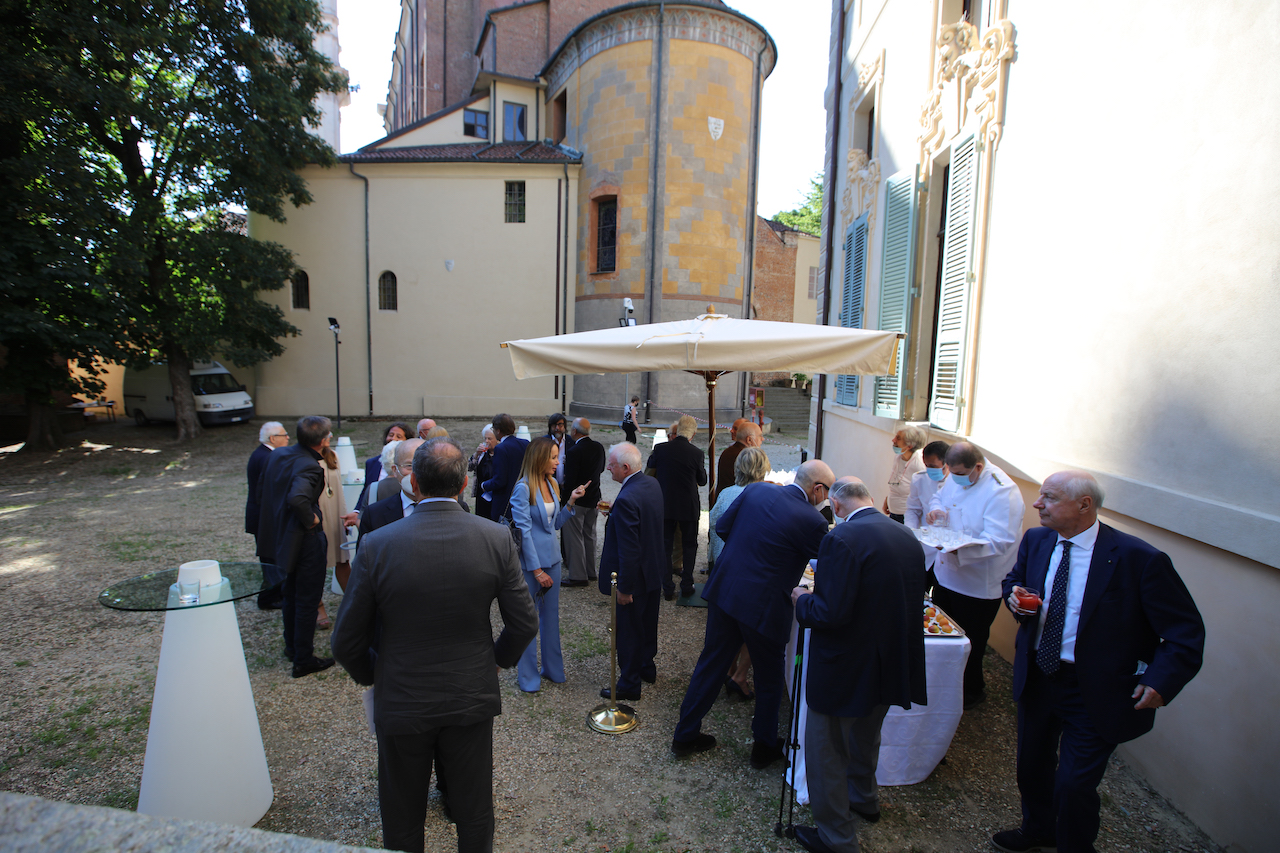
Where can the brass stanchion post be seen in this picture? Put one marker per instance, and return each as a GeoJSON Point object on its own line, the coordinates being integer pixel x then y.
{"type": "Point", "coordinates": [612, 718]}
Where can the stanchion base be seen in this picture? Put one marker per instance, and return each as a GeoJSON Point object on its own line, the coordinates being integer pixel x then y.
{"type": "Point", "coordinates": [612, 719]}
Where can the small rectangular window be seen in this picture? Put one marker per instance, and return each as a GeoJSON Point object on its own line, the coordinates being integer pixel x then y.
{"type": "Point", "coordinates": [813, 283]}
{"type": "Point", "coordinates": [388, 297]}
{"type": "Point", "coordinates": [513, 123]}
{"type": "Point", "coordinates": [515, 201]}
{"type": "Point", "coordinates": [301, 290]}
{"type": "Point", "coordinates": [475, 123]}
{"type": "Point", "coordinates": [606, 235]}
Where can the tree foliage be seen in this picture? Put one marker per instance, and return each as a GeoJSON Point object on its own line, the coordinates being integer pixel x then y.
{"type": "Point", "coordinates": [808, 216]}
{"type": "Point", "coordinates": [175, 110]}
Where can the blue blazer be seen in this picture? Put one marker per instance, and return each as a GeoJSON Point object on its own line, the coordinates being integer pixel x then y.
{"type": "Point", "coordinates": [1135, 608]}
{"type": "Point", "coordinates": [380, 514]}
{"type": "Point", "coordinates": [508, 456]}
{"type": "Point", "coordinates": [253, 471]}
{"type": "Point", "coordinates": [288, 499]}
{"type": "Point", "coordinates": [770, 534]}
{"type": "Point", "coordinates": [372, 471]}
{"type": "Point", "coordinates": [633, 544]}
{"type": "Point", "coordinates": [866, 647]}
{"type": "Point", "coordinates": [539, 548]}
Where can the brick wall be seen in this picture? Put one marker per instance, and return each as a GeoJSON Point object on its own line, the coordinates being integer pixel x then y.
{"type": "Point", "coordinates": [521, 35]}
{"type": "Point", "coordinates": [773, 282]}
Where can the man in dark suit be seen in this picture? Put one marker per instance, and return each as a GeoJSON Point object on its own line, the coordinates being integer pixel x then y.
{"type": "Point", "coordinates": [866, 652]}
{"type": "Point", "coordinates": [633, 549]}
{"type": "Point", "coordinates": [744, 434]}
{"type": "Point", "coordinates": [270, 436]}
{"type": "Point", "coordinates": [422, 589]}
{"type": "Point", "coordinates": [289, 527]}
{"type": "Point", "coordinates": [770, 534]}
{"type": "Point", "coordinates": [508, 456]}
{"type": "Point", "coordinates": [584, 463]}
{"type": "Point", "coordinates": [1116, 637]}
{"type": "Point", "coordinates": [680, 470]}
{"type": "Point", "coordinates": [395, 506]}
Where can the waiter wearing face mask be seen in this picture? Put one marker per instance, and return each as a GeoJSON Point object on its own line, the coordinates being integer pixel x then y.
{"type": "Point", "coordinates": [924, 486]}
{"type": "Point", "coordinates": [981, 501]}
{"type": "Point", "coordinates": [395, 506]}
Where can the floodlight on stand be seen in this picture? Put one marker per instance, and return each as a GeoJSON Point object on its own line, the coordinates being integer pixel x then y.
{"type": "Point", "coordinates": [612, 718]}
{"type": "Point", "coordinates": [337, 373]}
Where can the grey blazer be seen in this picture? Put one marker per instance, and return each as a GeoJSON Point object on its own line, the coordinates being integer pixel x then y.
{"type": "Point", "coordinates": [414, 621]}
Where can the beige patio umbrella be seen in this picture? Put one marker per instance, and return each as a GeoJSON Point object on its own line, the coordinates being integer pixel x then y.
{"type": "Point", "coordinates": [709, 345]}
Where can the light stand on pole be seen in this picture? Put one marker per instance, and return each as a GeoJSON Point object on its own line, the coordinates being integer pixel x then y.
{"type": "Point", "coordinates": [337, 374]}
{"type": "Point", "coordinates": [626, 319]}
{"type": "Point", "coordinates": [612, 718]}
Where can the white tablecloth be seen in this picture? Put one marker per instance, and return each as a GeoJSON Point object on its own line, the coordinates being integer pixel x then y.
{"type": "Point", "coordinates": [912, 742]}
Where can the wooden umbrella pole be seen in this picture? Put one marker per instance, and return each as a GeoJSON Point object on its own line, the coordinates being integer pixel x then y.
{"type": "Point", "coordinates": [711, 432]}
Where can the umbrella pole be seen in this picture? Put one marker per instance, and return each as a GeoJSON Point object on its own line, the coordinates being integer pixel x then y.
{"type": "Point", "coordinates": [711, 432]}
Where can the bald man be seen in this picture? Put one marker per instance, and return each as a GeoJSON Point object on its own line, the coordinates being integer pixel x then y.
{"type": "Point", "coordinates": [425, 426]}
{"type": "Point", "coordinates": [724, 466]}
{"type": "Point", "coordinates": [770, 533]}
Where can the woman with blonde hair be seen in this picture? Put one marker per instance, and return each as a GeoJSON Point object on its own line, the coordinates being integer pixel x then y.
{"type": "Point", "coordinates": [536, 512]}
{"type": "Point", "coordinates": [333, 506]}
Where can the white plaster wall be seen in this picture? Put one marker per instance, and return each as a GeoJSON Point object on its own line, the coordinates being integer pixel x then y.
{"type": "Point", "coordinates": [439, 352]}
{"type": "Point", "coordinates": [444, 130]}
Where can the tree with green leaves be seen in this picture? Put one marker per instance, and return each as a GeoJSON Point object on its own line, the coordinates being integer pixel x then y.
{"type": "Point", "coordinates": [182, 110]}
{"type": "Point", "coordinates": [807, 217]}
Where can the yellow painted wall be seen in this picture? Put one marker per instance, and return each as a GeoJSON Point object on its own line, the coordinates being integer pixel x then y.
{"type": "Point", "coordinates": [807, 247]}
{"type": "Point", "coordinates": [444, 130]}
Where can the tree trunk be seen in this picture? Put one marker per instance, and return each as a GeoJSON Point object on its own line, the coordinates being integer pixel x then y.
{"type": "Point", "coordinates": [43, 430]}
{"type": "Point", "coordinates": [184, 402]}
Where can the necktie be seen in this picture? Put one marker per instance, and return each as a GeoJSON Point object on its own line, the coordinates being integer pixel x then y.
{"type": "Point", "coordinates": [1049, 655]}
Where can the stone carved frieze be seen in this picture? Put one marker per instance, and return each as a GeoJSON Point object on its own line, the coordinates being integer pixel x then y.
{"type": "Point", "coordinates": [861, 187]}
{"type": "Point", "coordinates": [681, 22]}
{"type": "Point", "coordinates": [968, 85]}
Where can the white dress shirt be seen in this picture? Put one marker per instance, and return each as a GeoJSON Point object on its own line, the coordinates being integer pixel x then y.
{"type": "Point", "coordinates": [1081, 556]}
{"type": "Point", "coordinates": [900, 481]}
{"type": "Point", "coordinates": [991, 510]}
{"type": "Point", "coordinates": [922, 491]}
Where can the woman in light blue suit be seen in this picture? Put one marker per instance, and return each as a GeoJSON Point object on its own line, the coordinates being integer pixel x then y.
{"type": "Point", "coordinates": [536, 511]}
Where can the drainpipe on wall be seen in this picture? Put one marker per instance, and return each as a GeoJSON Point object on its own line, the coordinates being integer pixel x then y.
{"type": "Point", "coordinates": [829, 195]}
{"type": "Point", "coordinates": [564, 391]}
{"type": "Point", "coordinates": [368, 311]}
{"type": "Point", "coordinates": [652, 289]}
{"type": "Point", "coordinates": [556, 281]}
{"type": "Point", "coordinates": [752, 183]}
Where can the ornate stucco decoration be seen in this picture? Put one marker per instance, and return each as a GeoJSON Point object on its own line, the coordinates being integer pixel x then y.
{"type": "Point", "coordinates": [969, 86]}
{"type": "Point", "coordinates": [861, 186]}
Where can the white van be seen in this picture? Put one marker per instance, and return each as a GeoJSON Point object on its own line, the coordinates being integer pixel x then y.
{"type": "Point", "coordinates": [220, 399]}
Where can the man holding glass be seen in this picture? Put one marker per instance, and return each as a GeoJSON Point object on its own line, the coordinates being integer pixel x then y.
{"type": "Point", "coordinates": [981, 509]}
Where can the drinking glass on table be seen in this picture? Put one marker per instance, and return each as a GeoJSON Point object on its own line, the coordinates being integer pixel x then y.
{"type": "Point", "coordinates": [939, 527]}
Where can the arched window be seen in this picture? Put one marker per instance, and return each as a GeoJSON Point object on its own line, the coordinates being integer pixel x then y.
{"type": "Point", "coordinates": [301, 290]}
{"type": "Point", "coordinates": [387, 300]}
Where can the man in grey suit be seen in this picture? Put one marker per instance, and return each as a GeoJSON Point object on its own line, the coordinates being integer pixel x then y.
{"type": "Point", "coordinates": [414, 623]}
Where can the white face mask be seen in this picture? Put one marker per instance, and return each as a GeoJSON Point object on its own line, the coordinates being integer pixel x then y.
{"type": "Point", "coordinates": [406, 486]}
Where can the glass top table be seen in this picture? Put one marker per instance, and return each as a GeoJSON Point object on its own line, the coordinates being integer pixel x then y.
{"type": "Point", "coordinates": [154, 591]}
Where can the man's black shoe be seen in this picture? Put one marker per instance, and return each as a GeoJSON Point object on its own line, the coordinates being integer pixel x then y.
{"type": "Point", "coordinates": [669, 595]}
{"type": "Point", "coordinates": [971, 702]}
{"type": "Point", "coordinates": [764, 754]}
{"type": "Point", "coordinates": [808, 838]}
{"type": "Point", "coordinates": [701, 743]}
{"type": "Point", "coordinates": [869, 817]}
{"type": "Point", "coordinates": [306, 667]}
{"type": "Point", "coordinates": [622, 694]}
{"type": "Point", "coordinates": [1013, 841]}
{"type": "Point", "coordinates": [573, 583]}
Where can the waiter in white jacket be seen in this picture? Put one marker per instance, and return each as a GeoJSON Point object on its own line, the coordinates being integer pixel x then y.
{"type": "Point", "coordinates": [924, 485]}
{"type": "Point", "coordinates": [990, 508]}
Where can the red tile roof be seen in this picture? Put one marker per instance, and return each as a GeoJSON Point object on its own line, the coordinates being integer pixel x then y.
{"type": "Point", "coordinates": [464, 152]}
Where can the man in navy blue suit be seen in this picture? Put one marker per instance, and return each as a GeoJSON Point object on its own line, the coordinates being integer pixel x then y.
{"type": "Point", "coordinates": [633, 549]}
{"type": "Point", "coordinates": [508, 456]}
{"type": "Point", "coordinates": [1117, 636]}
{"type": "Point", "coordinates": [680, 470]}
{"type": "Point", "coordinates": [770, 534]}
{"type": "Point", "coordinates": [396, 506]}
{"type": "Point", "coordinates": [866, 652]}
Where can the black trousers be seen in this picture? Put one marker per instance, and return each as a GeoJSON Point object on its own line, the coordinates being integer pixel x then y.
{"type": "Point", "coordinates": [1061, 761]}
{"type": "Point", "coordinates": [688, 547]}
{"type": "Point", "coordinates": [303, 590]}
{"type": "Point", "coordinates": [465, 753]}
{"type": "Point", "coordinates": [975, 616]}
{"type": "Point", "coordinates": [637, 640]}
{"type": "Point", "coordinates": [630, 430]}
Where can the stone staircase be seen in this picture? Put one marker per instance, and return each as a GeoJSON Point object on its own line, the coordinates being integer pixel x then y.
{"type": "Point", "coordinates": [789, 409]}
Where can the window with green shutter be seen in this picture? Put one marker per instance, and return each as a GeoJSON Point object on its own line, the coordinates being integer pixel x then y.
{"type": "Point", "coordinates": [855, 280]}
{"type": "Point", "coordinates": [945, 401]}
{"type": "Point", "coordinates": [897, 276]}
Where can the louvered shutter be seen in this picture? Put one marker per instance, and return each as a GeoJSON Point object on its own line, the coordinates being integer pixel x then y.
{"type": "Point", "coordinates": [897, 275]}
{"type": "Point", "coordinates": [957, 280]}
{"type": "Point", "coordinates": [855, 279]}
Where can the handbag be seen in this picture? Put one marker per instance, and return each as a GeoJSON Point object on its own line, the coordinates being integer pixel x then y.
{"type": "Point", "coordinates": [514, 531]}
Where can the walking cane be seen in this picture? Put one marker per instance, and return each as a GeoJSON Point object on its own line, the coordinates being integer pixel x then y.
{"type": "Point", "coordinates": [793, 742]}
{"type": "Point", "coordinates": [612, 718]}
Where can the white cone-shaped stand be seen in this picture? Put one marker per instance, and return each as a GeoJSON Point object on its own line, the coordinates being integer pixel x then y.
{"type": "Point", "coordinates": [205, 759]}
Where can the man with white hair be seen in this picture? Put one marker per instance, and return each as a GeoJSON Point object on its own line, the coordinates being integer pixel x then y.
{"type": "Point", "coordinates": [982, 502]}
{"type": "Point", "coordinates": [397, 505]}
{"type": "Point", "coordinates": [270, 436]}
{"type": "Point", "coordinates": [680, 469]}
{"type": "Point", "coordinates": [425, 426]}
{"type": "Point", "coordinates": [633, 549]}
{"type": "Point", "coordinates": [1116, 636]}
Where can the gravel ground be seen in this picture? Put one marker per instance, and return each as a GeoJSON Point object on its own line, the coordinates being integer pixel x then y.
{"type": "Point", "coordinates": [79, 680]}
